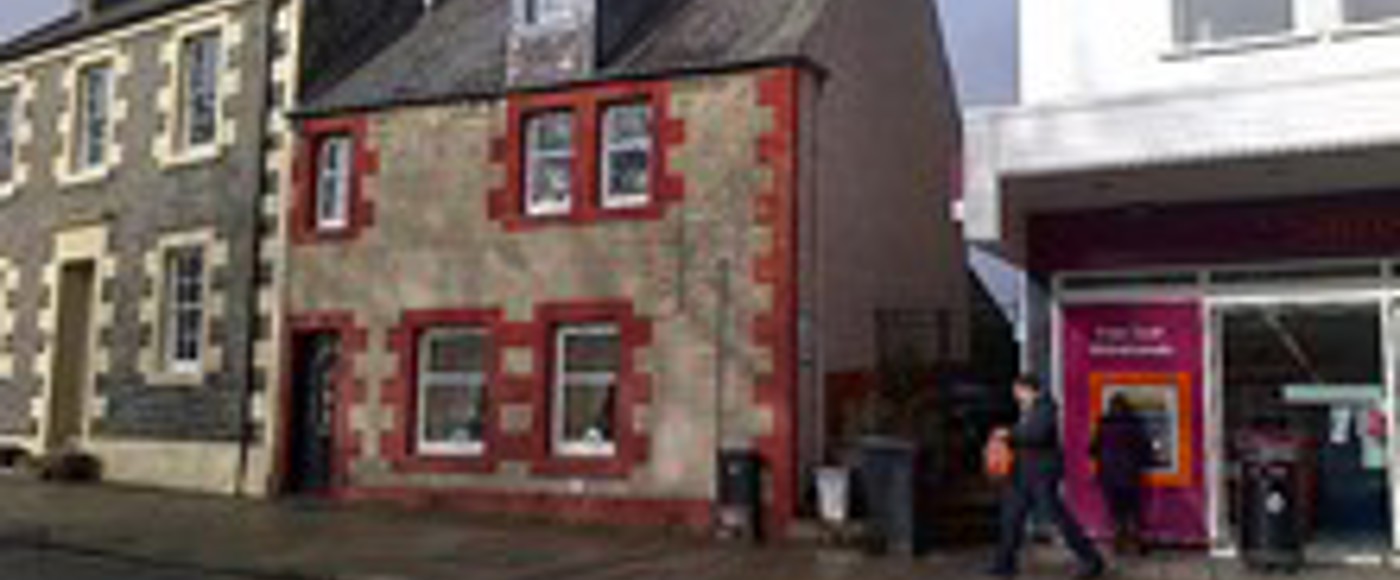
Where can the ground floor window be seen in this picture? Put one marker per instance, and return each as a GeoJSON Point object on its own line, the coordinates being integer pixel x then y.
{"type": "Point", "coordinates": [452, 385]}
{"type": "Point", "coordinates": [587, 362]}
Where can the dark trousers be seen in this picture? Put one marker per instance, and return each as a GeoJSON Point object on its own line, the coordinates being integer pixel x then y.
{"type": "Point", "coordinates": [1125, 505]}
{"type": "Point", "coordinates": [1043, 494]}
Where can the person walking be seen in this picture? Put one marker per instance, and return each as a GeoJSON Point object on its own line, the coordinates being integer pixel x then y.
{"type": "Point", "coordinates": [1035, 483]}
{"type": "Point", "coordinates": [1123, 451]}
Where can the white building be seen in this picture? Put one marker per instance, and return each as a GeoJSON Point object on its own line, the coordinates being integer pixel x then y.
{"type": "Point", "coordinates": [1206, 194]}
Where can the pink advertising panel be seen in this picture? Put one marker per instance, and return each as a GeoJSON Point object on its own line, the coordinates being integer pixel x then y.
{"type": "Point", "coordinates": [1150, 353]}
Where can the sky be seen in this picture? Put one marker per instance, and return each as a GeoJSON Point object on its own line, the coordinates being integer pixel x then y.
{"type": "Point", "coordinates": [980, 35]}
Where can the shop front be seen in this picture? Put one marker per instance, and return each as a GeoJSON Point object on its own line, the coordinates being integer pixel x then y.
{"type": "Point", "coordinates": [1218, 321]}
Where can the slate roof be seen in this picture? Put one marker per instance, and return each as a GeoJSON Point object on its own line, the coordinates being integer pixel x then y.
{"type": "Point", "coordinates": [458, 51]}
{"type": "Point", "coordinates": [65, 29]}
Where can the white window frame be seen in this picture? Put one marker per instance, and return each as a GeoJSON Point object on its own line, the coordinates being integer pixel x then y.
{"type": "Point", "coordinates": [190, 49]}
{"type": "Point", "coordinates": [426, 379]}
{"type": "Point", "coordinates": [543, 13]}
{"type": "Point", "coordinates": [9, 137]}
{"type": "Point", "coordinates": [534, 156]}
{"type": "Point", "coordinates": [645, 144]}
{"type": "Point", "coordinates": [83, 117]}
{"type": "Point", "coordinates": [1312, 20]}
{"type": "Point", "coordinates": [335, 160]}
{"type": "Point", "coordinates": [1341, 14]}
{"type": "Point", "coordinates": [562, 378]}
{"type": "Point", "coordinates": [173, 308]}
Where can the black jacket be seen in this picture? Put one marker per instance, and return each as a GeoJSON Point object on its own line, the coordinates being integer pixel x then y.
{"type": "Point", "coordinates": [1036, 439]}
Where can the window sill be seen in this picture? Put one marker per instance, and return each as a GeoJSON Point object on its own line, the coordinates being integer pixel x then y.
{"type": "Point", "coordinates": [87, 176]}
{"type": "Point", "coordinates": [192, 156]}
{"type": "Point", "coordinates": [1361, 30]}
{"type": "Point", "coordinates": [466, 452]}
{"type": "Point", "coordinates": [624, 203]}
{"type": "Point", "coordinates": [176, 378]}
{"type": "Point", "coordinates": [1195, 51]}
{"type": "Point", "coordinates": [566, 452]}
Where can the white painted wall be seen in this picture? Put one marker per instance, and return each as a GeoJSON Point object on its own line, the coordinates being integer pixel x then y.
{"type": "Point", "coordinates": [1076, 50]}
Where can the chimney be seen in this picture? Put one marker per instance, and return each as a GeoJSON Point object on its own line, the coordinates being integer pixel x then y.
{"type": "Point", "coordinates": [85, 9]}
{"type": "Point", "coordinates": [550, 41]}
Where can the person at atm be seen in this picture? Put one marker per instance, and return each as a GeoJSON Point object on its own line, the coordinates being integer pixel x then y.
{"type": "Point", "coordinates": [1123, 450]}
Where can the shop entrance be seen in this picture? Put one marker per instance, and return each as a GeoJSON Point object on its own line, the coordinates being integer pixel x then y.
{"type": "Point", "coordinates": [1315, 371]}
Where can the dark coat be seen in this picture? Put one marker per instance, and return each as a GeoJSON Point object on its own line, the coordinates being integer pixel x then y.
{"type": "Point", "coordinates": [1036, 439]}
{"type": "Point", "coordinates": [1123, 449]}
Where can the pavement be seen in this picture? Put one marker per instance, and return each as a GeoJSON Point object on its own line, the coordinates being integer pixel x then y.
{"type": "Point", "coordinates": [75, 532]}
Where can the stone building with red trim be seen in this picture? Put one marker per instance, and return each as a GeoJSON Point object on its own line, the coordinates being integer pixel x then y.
{"type": "Point", "coordinates": [548, 256]}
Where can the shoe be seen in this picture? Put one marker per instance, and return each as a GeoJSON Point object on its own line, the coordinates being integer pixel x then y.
{"type": "Point", "coordinates": [1090, 572]}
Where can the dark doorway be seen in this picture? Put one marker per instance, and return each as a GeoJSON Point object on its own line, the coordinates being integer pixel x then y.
{"type": "Point", "coordinates": [315, 366]}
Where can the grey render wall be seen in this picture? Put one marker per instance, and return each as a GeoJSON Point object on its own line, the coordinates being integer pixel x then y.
{"type": "Point", "coordinates": [139, 203]}
{"type": "Point", "coordinates": [886, 137]}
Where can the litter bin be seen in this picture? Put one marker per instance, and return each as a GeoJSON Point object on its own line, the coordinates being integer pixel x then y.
{"type": "Point", "coordinates": [739, 514]}
{"type": "Point", "coordinates": [1271, 513]}
{"type": "Point", "coordinates": [887, 478]}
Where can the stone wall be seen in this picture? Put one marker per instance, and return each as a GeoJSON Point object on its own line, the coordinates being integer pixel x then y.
{"type": "Point", "coordinates": [440, 242]}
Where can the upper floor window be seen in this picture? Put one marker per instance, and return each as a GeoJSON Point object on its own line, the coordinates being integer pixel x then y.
{"type": "Point", "coordinates": [184, 308]}
{"type": "Point", "coordinates": [452, 379]}
{"type": "Point", "coordinates": [94, 115]}
{"type": "Point", "coordinates": [1210, 21]}
{"type": "Point", "coordinates": [538, 12]}
{"type": "Point", "coordinates": [549, 163]}
{"type": "Point", "coordinates": [334, 163]}
{"type": "Point", "coordinates": [199, 90]}
{"type": "Point", "coordinates": [626, 155]}
{"type": "Point", "coordinates": [9, 114]}
{"type": "Point", "coordinates": [587, 364]}
{"type": "Point", "coordinates": [1360, 11]}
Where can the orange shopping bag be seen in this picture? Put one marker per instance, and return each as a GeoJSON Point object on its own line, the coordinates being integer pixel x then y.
{"type": "Point", "coordinates": [999, 457]}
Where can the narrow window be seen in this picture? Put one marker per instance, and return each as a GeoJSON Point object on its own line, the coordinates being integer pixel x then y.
{"type": "Point", "coordinates": [1207, 21]}
{"type": "Point", "coordinates": [200, 90]}
{"type": "Point", "coordinates": [626, 155]}
{"type": "Point", "coordinates": [1362, 11]}
{"type": "Point", "coordinates": [549, 163]}
{"type": "Point", "coordinates": [333, 182]}
{"type": "Point", "coordinates": [452, 379]}
{"type": "Point", "coordinates": [587, 360]}
{"type": "Point", "coordinates": [8, 117]}
{"type": "Point", "coordinates": [94, 109]}
{"type": "Point", "coordinates": [184, 308]}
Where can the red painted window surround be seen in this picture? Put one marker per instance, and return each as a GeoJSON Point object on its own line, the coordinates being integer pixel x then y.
{"type": "Point", "coordinates": [507, 204]}
{"type": "Point", "coordinates": [348, 392]}
{"type": "Point", "coordinates": [305, 173]}
{"type": "Point", "coordinates": [537, 390]}
{"type": "Point", "coordinates": [401, 393]}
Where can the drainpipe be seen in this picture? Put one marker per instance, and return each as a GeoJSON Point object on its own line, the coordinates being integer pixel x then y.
{"type": "Point", "coordinates": [245, 402]}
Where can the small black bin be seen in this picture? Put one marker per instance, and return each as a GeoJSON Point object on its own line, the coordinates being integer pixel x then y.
{"type": "Point", "coordinates": [740, 510]}
{"type": "Point", "coordinates": [1271, 515]}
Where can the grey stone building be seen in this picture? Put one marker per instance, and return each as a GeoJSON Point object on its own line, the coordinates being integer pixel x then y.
{"type": "Point", "coordinates": [143, 161]}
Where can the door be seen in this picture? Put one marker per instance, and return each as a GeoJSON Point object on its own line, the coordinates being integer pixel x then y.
{"type": "Point", "coordinates": [316, 362]}
{"type": "Point", "coordinates": [73, 343]}
{"type": "Point", "coordinates": [1314, 371]}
